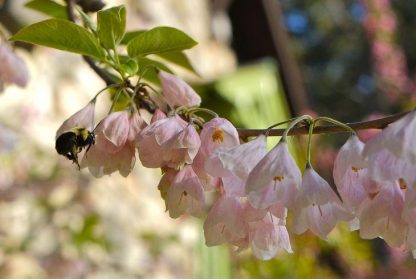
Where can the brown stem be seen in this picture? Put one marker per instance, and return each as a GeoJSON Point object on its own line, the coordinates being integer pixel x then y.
{"type": "Point", "coordinates": [102, 74]}
{"type": "Point", "coordinates": [303, 130]}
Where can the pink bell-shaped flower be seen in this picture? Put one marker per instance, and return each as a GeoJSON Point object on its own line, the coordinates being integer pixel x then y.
{"type": "Point", "coordinates": [318, 207]}
{"type": "Point", "coordinates": [165, 183]}
{"type": "Point", "coordinates": [384, 166]}
{"type": "Point", "coordinates": [182, 147]}
{"type": "Point", "coordinates": [351, 174]}
{"type": "Point", "coordinates": [115, 144]}
{"type": "Point", "coordinates": [398, 138]}
{"type": "Point", "coordinates": [380, 215]}
{"type": "Point", "coordinates": [75, 134]}
{"type": "Point", "coordinates": [231, 164]}
{"type": "Point", "coordinates": [267, 238]}
{"type": "Point", "coordinates": [238, 160]}
{"type": "Point", "coordinates": [186, 194]}
{"type": "Point", "coordinates": [177, 92]}
{"type": "Point", "coordinates": [276, 178]}
{"type": "Point", "coordinates": [225, 222]}
{"type": "Point", "coordinates": [216, 133]}
{"type": "Point", "coordinates": [84, 118]}
{"type": "Point", "coordinates": [252, 214]}
{"type": "Point", "coordinates": [152, 139]}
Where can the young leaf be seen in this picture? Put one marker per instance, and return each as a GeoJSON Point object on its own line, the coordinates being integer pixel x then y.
{"type": "Point", "coordinates": [148, 69]}
{"type": "Point", "coordinates": [179, 58]}
{"type": "Point", "coordinates": [128, 65]}
{"type": "Point", "coordinates": [128, 36]}
{"type": "Point", "coordinates": [159, 40]}
{"type": "Point", "coordinates": [60, 34]}
{"type": "Point", "coordinates": [48, 7]}
{"type": "Point", "coordinates": [111, 24]}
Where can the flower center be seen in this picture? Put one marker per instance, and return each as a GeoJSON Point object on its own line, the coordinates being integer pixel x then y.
{"type": "Point", "coordinates": [402, 184]}
{"type": "Point", "coordinates": [356, 169]}
{"type": "Point", "coordinates": [372, 195]}
{"type": "Point", "coordinates": [184, 194]}
{"type": "Point", "coordinates": [278, 178]}
{"type": "Point", "coordinates": [218, 135]}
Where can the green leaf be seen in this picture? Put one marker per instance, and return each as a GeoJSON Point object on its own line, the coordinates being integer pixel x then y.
{"type": "Point", "coordinates": [87, 22]}
{"type": "Point", "coordinates": [111, 24]}
{"type": "Point", "coordinates": [48, 7]}
{"type": "Point", "coordinates": [60, 34]}
{"type": "Point", "coordinates": [148, 69]}
{"type": "Point", "coordinates": [128, 65]}
{"type": "Point", "coordinates": [128, 36]}
{"type": "Point", "coordinates": [179, 58]}
{"type": "Point", "coordinates": [159, 40]}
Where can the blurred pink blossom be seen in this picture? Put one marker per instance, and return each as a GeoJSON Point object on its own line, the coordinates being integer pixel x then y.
{"type": "Point", "coordinates": [13, 69]}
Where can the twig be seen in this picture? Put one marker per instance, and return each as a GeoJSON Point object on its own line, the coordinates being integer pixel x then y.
{"type": "Point", "coordinates": [303, 130]}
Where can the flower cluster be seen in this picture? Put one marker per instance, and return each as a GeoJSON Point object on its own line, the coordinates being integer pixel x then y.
{"type": "Point", "coordinates": [255, 188]}
{"type": "Point", "coordinates": [377, 183]}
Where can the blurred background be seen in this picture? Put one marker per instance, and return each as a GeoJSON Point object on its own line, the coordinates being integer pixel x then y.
{"type": "Point", "coordinates": [260, 62]}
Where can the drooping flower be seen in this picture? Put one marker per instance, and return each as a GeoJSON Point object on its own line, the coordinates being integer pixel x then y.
{"type": "Point", "coordinates": [165, 183]}
{"type": "Point", "coordinates": [182, 147]}
{"type": "Point", "coordinates": [115, 144]}
{"type": "Point", "coordinates": [252, 214]}
{"type": "Point", "coordinates": [276, 178]}
{"type": "Point", "coordinates": [398, 138]}
{"type": "Point", "coordinates": [267, 238]}
{"type": "Point", "coordinates": [233, 166]}
{"type": "Point", "coordinates": [75, 134]}
{"type": "Point", "coordinates": [84, 118]}
{"type": "Point", "coordinates": [350, 173]}
{"type": "Point", "coordinates": [13, 69]}
{"type": "Point", "coordinates": [380, 214]}
{"type": "Point", "coordinates": [177, 92]}
{"type": "Point", "coordinates": [384, 166]}
{"type": "Point", "coordinates": [186, 194]}
{"type": "Point", "coordinates": [216, 133]}
{"type": "Point", "coordinates": [238, 160]}
{"type": "Point", "coordinates": [225, 222]}
{"type": "Point", "coordinates": [318, 207]}
{"type": "Point", "coordinates": [151, 140]}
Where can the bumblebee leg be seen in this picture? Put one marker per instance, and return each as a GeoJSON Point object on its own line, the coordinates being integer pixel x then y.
{"type": "Point", "coordinates": [74, 154]}
{"type": "Point", "coordinates": [88, 148]}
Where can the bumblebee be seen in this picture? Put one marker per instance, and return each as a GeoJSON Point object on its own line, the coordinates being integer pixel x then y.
{"type": "Point", "coordinates": [71, 142]}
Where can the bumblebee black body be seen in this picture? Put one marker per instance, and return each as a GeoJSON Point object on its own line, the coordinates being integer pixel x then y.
{"type": "Point", "coordinates": [71, 142]}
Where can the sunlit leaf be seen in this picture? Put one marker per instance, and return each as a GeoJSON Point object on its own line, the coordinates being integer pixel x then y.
{"type": "Point", "coordinates": [128, 65]}
{"type": "Point", "coordinates": [128, 36]}
{"type": "Point", "coordinates": [60, 34]}
{"type": "Point", "coordinates": [111, 24]}
{"type": "Point", "coordinates": [159, 40]}
{"type": "Point", "coordinates": [148, 69]}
